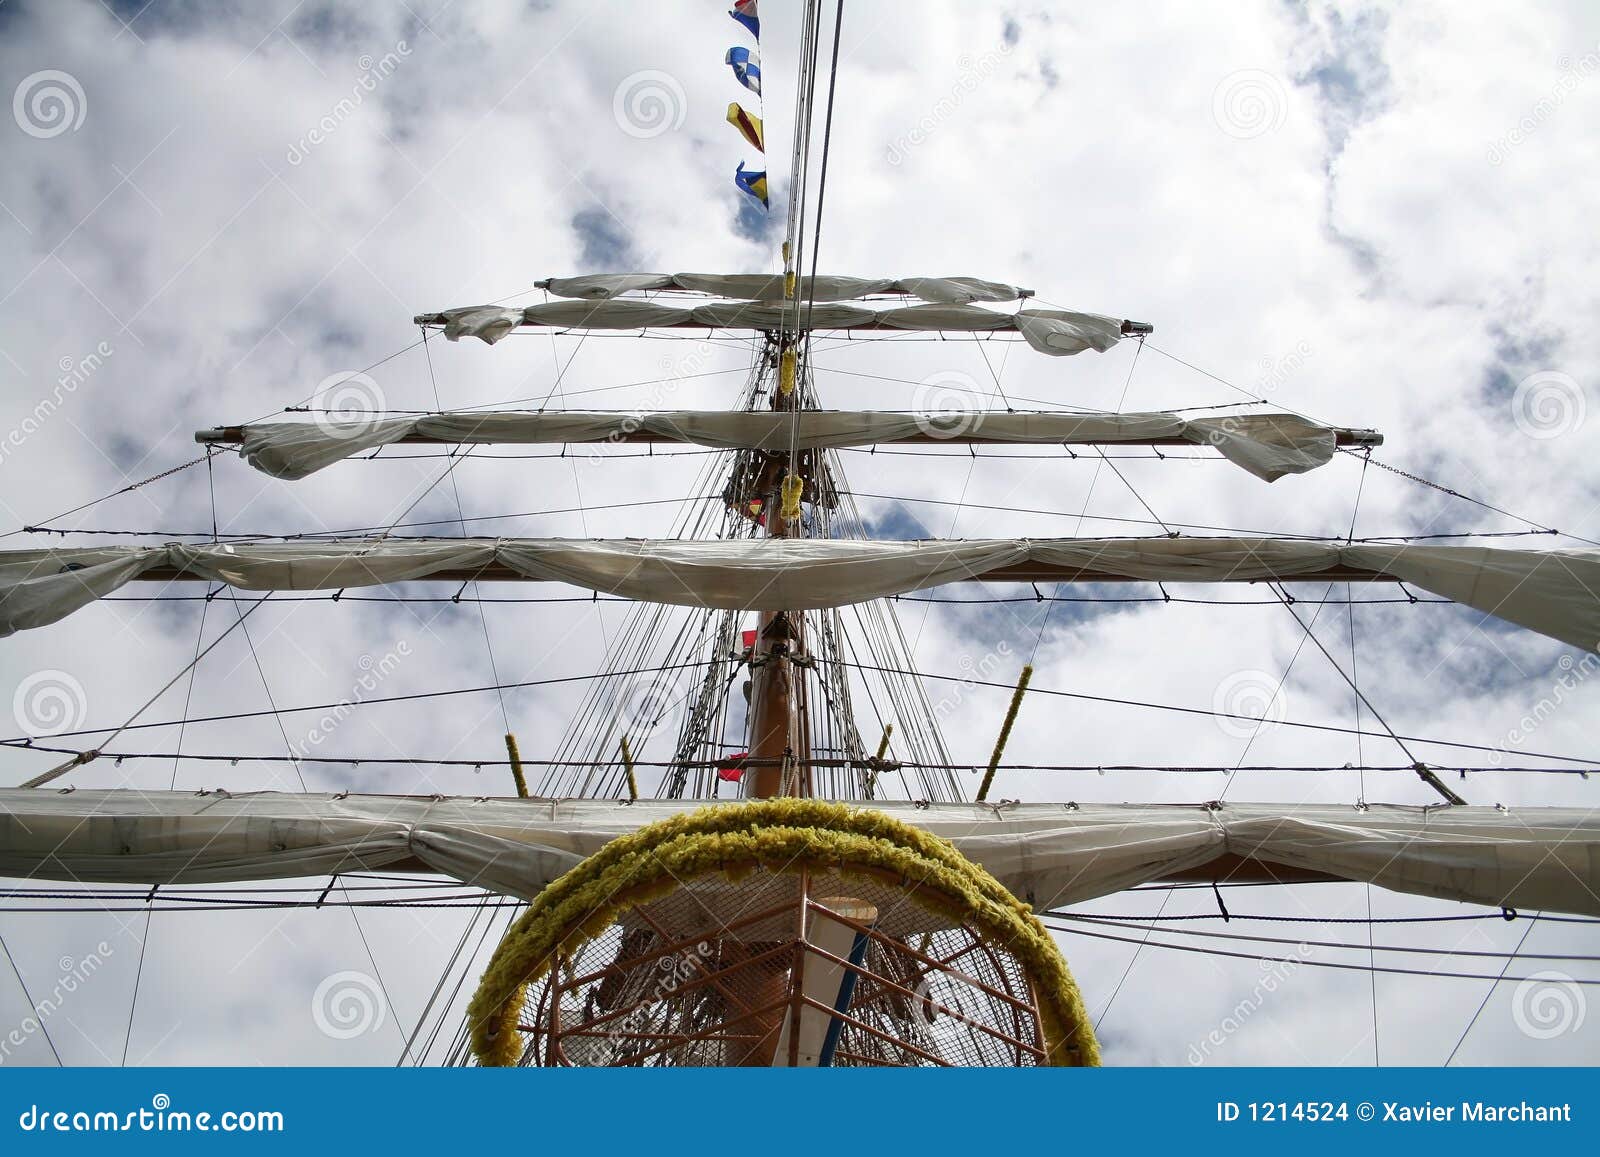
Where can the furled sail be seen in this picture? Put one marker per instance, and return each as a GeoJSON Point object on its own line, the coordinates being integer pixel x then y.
{"type": "Point", "coordinates": [769, 287]}
{"type": "Point", "coordinates": [1050, 331]}
{"type": "Point", "coordinates": [1548, 591]}
{"type": "Point", "coordinates": [1267, 445]}
{"type": "Point", "coordinates": [1050, 855]}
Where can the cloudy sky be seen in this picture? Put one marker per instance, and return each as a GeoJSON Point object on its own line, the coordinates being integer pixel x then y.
{"type": "Point", "coordinates": [1380, 216]}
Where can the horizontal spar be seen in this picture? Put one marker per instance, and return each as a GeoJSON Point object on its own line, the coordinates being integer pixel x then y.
{"type": "Point", "coordinates": [1055, 332]}
{"type": "Point", "coordinates": [1267, 445]}
{"type": "Point", "coordinates": [1548, 591]}
{"type": "Point", "coordinates": [1049, 854]}
{"type": "Point", "coordinates": [1020, 573]}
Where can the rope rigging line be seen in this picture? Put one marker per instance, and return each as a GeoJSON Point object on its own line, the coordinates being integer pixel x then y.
{"type": "Point", "coordinates": [129, 724]}
{"type": "Point", "coordinates": [413, 697]}
{"type": "Point", "coordinates": [1336, 964]}
{"type": "Point", "coordinates": [461, 518]}
{"type": "Point", "coordinates": [1484, 1003]}
{"type": "Point", "coordinates": [884, 764]}
{"type": "Point", "coordinates": [1384, 465]}
{"type": "Point", "coordinates": [1415, 950]}
{"type": "Point", "coordinates": [1224, 714]}
{"type": "Point", "coordinates": [1044, 623]}
{"type": "Point", "coordinates": [33, 1008]}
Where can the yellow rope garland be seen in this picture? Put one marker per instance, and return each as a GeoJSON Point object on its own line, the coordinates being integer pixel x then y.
{"type": "Point", "coordinates": [782, 834]}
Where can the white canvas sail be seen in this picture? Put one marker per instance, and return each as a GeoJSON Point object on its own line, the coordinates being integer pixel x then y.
{"type": "Point", "coordinates": [770, 287]}
{"type": "Point", "coordinates": [1267, 446]}
{"type": "Point", "coordinates": [1056, 332]}
{"type": "Point", "coordinates": [1548, 591]}
{"type": "Point", "coordinates": [1049, 854]}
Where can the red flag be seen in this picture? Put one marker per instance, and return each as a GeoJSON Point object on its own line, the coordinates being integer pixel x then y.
{"type": "Point", "coordinates": [749, 640]}
{"type": "Point", "coordinates": [731, 769]}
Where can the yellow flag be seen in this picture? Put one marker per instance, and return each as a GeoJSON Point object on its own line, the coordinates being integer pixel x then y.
{"type": "Point", "coordinates": [749, 125]}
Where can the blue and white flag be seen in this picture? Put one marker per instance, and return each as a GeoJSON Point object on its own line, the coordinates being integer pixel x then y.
{"type": "Point", "coordinates": [744, 11]}
{"type": "Point", "coordinates": [746, 67]}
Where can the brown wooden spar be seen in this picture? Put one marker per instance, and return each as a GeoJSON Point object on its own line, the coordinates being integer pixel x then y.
{"type": "Point", "coordinates": [779, 738]}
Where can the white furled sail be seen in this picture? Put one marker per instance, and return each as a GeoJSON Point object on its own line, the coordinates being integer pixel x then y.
{"type": "Point", "coordinates": [1266, 445]}
{"type": "Point", "coordinates": [1048, 854]}
{"type": "Point", "coordinates": [1050, 331]}
{"type": "Point", "coordinates": [770, 287]}
{"type": "Point", "coordinates": [1548, 591]}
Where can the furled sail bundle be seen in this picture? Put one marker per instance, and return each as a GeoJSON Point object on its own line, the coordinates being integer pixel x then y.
{"type": "Point", "coordinates": [770, 287]}
{"type": "Point", "coordinates": [1056, 332]}
{"type": "Point", "coordinates": [1548, 591]}
{"type": "Point", "coordinates": [1268, 446]}
{"type": "Point", "coordinates": [1051, 855]}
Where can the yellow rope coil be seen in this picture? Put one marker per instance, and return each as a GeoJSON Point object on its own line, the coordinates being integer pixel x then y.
{"type": "Point", "coordinates": [627, 764]}
{"type": "Point", "coordinates": [793, 487]}
{"type": "Point", "coordinates": [782, 834]}
{"type": "Point", "coordinates": [516, 766]}
{"type": "Point", "coordinates": [786, 372]}
{"type": "Point", "coordinates": [1005, 732]}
